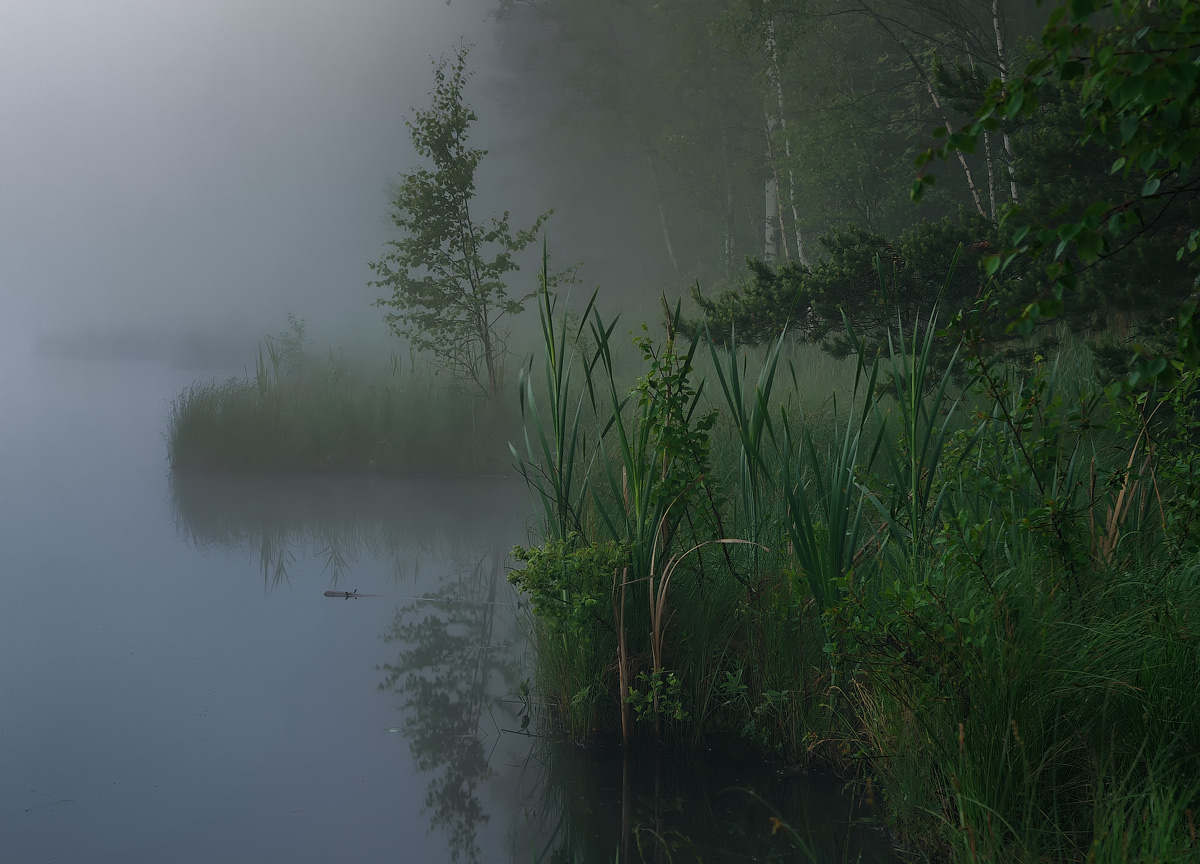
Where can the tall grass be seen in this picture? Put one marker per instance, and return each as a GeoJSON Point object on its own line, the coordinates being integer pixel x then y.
{"type": "Point", "coordinates": [299, 413]}
{"type": "Point", "coordinates": [979, 593]}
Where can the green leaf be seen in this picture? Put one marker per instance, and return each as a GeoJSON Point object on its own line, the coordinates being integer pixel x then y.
{"type": "Point", "coordinates": [1015, 100]}
{"type": "Point", "coordinates": [963, 141]}
{"type": "Point", "coordinates": [1027, 320]}
{"type": "Point", "coordinates": [1081, 9]}
{"type": "Point", "coordinates": [1068, 231]}
{"type": "Point", "coordinates": [1129, 127]}
{"type": "Point", "coordinates": [1095, 211]}
{"type": "Point", "coordinates": [1071, 70]}
{"type": "Point", "coordinates": [1187, 148]}
{"type": "Point", "coordinates": [1151, 186]}
{"type": "Point", "coordinates": [1090, 245]}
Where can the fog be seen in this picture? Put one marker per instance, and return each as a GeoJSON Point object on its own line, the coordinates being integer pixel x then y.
{"type": "Point", "coordinates": [185, 174]}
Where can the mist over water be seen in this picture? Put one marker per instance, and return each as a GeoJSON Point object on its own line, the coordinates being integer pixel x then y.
{"type": "Point", "coordinates": [173, 683]}
{"type": "Point", "coordinates": [164, 701]}
{"type": "Point", "coordinates": [204, 168]}
{"type": "Point", "coordinates": [176, 686]}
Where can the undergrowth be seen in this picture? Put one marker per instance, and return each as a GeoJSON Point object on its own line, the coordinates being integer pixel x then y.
{"type": "Point", "coordinates": [983, 597]}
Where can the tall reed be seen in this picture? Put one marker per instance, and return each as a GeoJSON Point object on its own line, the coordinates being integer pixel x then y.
{"type": "Point", "coordinates": [966, 578]}
{"type": "Point", "coordinates": [297, 413]}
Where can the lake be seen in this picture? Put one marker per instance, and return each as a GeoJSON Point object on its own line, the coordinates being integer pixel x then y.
{"type": "Point", "coordinates": [175, 685]}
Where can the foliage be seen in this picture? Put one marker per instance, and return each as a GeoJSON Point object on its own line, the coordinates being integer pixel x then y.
{"type": "Point", "coordinates": [658, 695]}
{"type": "Point", "coordinates": [1133, 66]}
{"type": "Point", "coordinates": [569, 585]}
{"type": "Point", "coordinates": [549, 468]}
{"type": "Point", "coordinates": [1135, 289]}
{"type": "Point", "coordinates": [446, 272]}
{"type": "Point", "coordinates": [677, 441]}
{"type": "Point", "coordinates": [981, 584]}
{"type": "Point", "coordinates": [973, 582]}
{"type": "Point", "coordinates": [864, 280]}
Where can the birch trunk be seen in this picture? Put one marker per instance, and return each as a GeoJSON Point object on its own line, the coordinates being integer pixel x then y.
{"type": "Point", "coordinates": [730, 200]}
{"type": "Point", "coordinates": [1000, 57]}
{"type": "Point", "coordinates": [933, 97]}
{"type": "Point", "coordinates": [987, 150]}
{"type": "Point", "coordinates": [771, 201]}
{"type": "Point", "coordinates": [662, 212]}
{"type": "Point", "coordinates": [775, 235]}
{"type": "Point", "coordinates": [991, 172]}
{"type": "Point", "coordinates": [777, 83]}
{"type": "Point", "coordinates": [962, 160]}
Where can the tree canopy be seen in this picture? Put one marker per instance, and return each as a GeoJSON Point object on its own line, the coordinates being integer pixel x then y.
{"type": "Point", "coordinates": [784, 132]}
{"type": "Point", "coordinates": [446, 271]}
{"type": "Point", "coordinates": [1127, 73]}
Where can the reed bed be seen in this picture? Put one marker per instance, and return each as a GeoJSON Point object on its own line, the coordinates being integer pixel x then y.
{"type": "Point", "coordinates": [972, 587]}
{"type": "Point", "coordinates": [299, 413]}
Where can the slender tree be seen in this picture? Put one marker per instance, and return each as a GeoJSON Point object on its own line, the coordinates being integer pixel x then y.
{"type": "Point", "coordinates": [446, 272]}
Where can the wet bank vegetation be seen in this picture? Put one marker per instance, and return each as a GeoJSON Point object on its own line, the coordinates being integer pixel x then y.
{"type": "Point", "coordinates": [972, 580]}
{"type": "Point", "coordinates": [300, 411]}
{"type": "Point", "coordinates": [972, 583]}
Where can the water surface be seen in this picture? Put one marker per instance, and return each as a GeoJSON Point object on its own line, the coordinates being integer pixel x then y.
{"type": "Point", "coordinates": [176, 686]}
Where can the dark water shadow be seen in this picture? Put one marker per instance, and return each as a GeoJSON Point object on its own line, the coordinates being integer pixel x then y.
{"type": "Point", "coordinates": [656, 807]}
{"type": "Point", "coordinates": [456, 662]}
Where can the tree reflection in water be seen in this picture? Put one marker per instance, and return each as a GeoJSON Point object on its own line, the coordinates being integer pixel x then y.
{"type": "Point", "coordinates": [448, 672]}
{"type": "Point", "coordinates": [454, 679]}
{"type": "Point", "coordinates": [340, 520]}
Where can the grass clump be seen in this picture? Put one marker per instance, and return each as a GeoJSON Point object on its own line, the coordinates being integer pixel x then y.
{"type": "Point", "coordinates": [298, 412]}
{"type": "Point", "coordinates": [983, 595]}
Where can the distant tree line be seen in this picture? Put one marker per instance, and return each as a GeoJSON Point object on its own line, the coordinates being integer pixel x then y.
{"type": "Point", "coordinates": [784, 132]}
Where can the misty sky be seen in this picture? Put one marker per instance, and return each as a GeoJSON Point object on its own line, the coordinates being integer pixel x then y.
{"type": "Point", "coordinates": [213, 165]}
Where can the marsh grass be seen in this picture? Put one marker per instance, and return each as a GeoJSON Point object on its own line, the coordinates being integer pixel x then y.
{"type": "Point", "coordinates": [297, 412]}
{"type": "Point", "coordinates": [968, 583]}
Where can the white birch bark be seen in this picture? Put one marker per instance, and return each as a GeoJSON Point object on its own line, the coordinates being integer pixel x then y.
{"type": "Point", "coordinates": [775, 233]}
{"type": "Point", "coordinates": [962, 160]}
{"type": "Point", "coordinates": [991, 172]}
{"type": "Point", "coordinates": [777, 83]}
{"type": "Point", "coordinates": [987, 150]}
{"type": "Point", "coordinates": [662, 212]}
{"type": "Point", "coordinates": [1008, 150]}
{"type": "Point", "coordinates": [933, 97]}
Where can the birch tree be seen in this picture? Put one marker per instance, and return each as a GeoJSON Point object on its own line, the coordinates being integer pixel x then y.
{"type": "Point", "coordinates": [447, 272]}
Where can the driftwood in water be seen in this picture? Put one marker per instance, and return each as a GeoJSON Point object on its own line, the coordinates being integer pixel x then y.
{"type": "Point", "coordinates": [348, 595]}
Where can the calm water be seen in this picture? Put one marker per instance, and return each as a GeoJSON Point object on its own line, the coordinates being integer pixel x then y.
{"type": "Point", "coordinates": [175, 686]}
